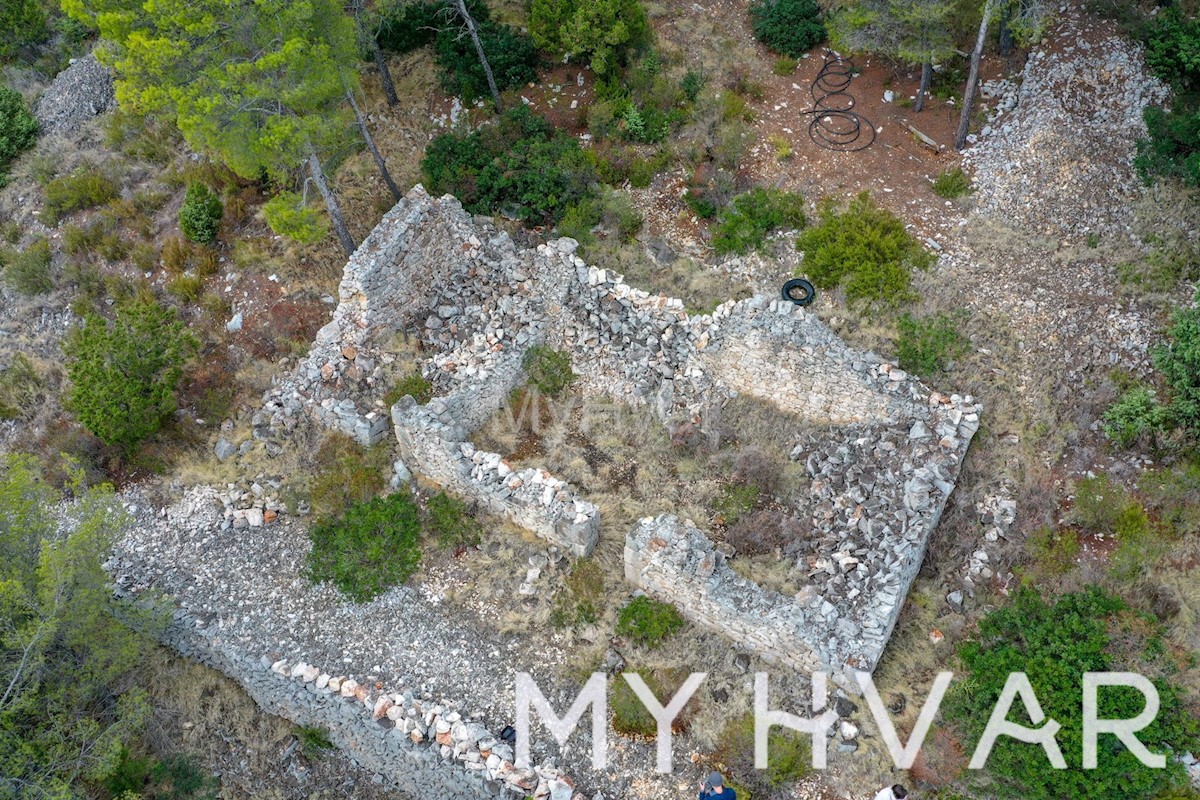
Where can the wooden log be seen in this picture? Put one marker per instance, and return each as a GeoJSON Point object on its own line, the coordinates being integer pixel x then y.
{"type": "Point", "coordinates": [925, 140]}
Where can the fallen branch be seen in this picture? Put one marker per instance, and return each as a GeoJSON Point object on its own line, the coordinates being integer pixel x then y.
{"type": "Point", "coordinates": [925, 140]}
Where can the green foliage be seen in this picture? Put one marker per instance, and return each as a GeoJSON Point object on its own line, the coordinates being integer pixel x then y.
{"type": "Point", "coordinates": [511, 54]}
{"type": "Point", "coordinates": [1173, 496]}
{"type": "Point", "coordinates": [581, 602]}
{"type": "Point", "coordinates": [124, 374]}
{"type": "Point", "coordinates": [200, 215]}
{"type": "Point", "coordinates": [1179, 362]}
{"type": "Point", "coordinates": [648, 622]}
{"type": "Point", "coordinates": [450, 521]}
{"type": "Point", "coordinates": [374, 546]}
{"type": "Point", "coordinates": [346, 474]}
{"type": "Point", "coordinates": [289, 216]}
{"type": "Point", "coordinates": [413, 384]}
{"type": "Point", "coordinates": [404, 27]}
{"type": "Point", "coordinates": [1054, 550]}
{"type": "Point", "coordinates": [928, 344]}
{"type": "Point", "coordinates": [84, 188]}
{"type": "Point", "coordinates": [692, 85]}
{"type": "Point", "coordinates": [313, 741]}
{"type": "Point", "coordinates": [20, 386]}
{"type": "Point", "coordinates": [63, 654]}
{"type": "Point", "coordinates": [744, 225]}
{"type": "Point", "coordinates": [1173, 49]}
{"type": "Point", "coordinates": [790, 27]}
{"type": "Point", "coordinates": [915, 31]}
{"type": "Point", "coordinates": [734, 500]}
{"type": "Point", "coordinates": [952, 184]}
{"type": "Point", "coordinates": [1173, 149]}
{"type": "Point", "coordinates": [548, 369]}
{"type": "Point", "coordinates": [28, 272]}
{"type": "Point", "coordinates": [603, 32]}
{"type": "Point", "coordinates": [186, 288]}
{"type": "Point", "coordinates": [784, 65]}
{"type": "Point", "coordinates": [22, 23]}
{"type": "Point", "coordinates": [1135, 414]}
{"type": "Point", "coordinates": [612, 210]}
{"type": "Point", "coordinates": [865, 250]}
{"type": "Point", "coordinates": [789, 758]}
{"type": "Point", "coordinates": [522, 165]}
{"type": "Point", "coordinates": [629, 714]}
{"type": "Point", "coordinates": [1055, 644]}
{"type": "Point", "coordinates": [18, 128]}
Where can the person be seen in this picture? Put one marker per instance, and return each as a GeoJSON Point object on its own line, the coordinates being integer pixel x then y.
{"type": "Point", "coordinates": [893, 792]}
{"type": "Point", "coordinates": [713, 787]}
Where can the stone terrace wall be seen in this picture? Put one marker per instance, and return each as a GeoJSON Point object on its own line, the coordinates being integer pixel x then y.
{"type": "Point", "coordinates": [425, 750]}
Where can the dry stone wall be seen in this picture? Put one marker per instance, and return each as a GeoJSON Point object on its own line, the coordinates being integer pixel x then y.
{"type": "Point", "coordinates": [881, 450]}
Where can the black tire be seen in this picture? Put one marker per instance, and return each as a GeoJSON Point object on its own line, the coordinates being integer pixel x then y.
{"type": "Point", "coordinates": [799, 291]}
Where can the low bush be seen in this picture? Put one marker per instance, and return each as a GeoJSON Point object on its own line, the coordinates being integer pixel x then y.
{"type": "Point", "coordinates": [451, 523]}
{"type": "Point", "coordinates": [522, 165]}
{"type": "Point", "coordinates": [548, 369]}
{"type": "Point", "coordinates": [413, 384]}
{"type": "Point", "coordinates": [346, 473]}
{"type": "Point", "coordinates": [124, 374]}
{"type": "Point", "coordinates": [1179, 362]}
{"type": "Point", "coordinates": [582, 600]}
{"type": "Point", "coordinates": [372, 547]}
{"type": "Point", "coordinates": [734, 500]}
{"type": "Point", "coordinates": [790, 27]}
{"type": "Point", "coordinates": [28, 271]}
{"type": "Point", "coordinates": [952, 184]}
{"type": "Point", "coordinates": [784, 65]}
{"type": "Point", "coordinates": [511, 54]}
{"type": "Point", "coordinates": [648, 622]}
{"type": "Point", "coordinates": [602, 32]}
{"type": "Point", "coordinates": [1055, 644]}
{"type": "Point", "coordinates": [289, 216]}
{"type": "Point", "coordinates": [865, 250]}
{"type": "Point", "coordinates": [764, 532]}
{"type": "Point", "coordinates": [744, 225]}
{"type": "Point", "coordinates": [200, 215]}
{"type": "Point", "coordinates": [404, 27]}
{"type": "Point", "coordinates": [1173, 149]}
{"type": "Point", "coordinates": [1137, 414]}
{"type": "Point", "coordinates": [18, 128]}
{"type": "Point", "coordinates": [186, 288]}
{"type": "Point", "coordinates": [20, 387]}
{"type": "Point", "coordinates": [612, 210]}
{"type": "Point", "coordinates": [85, 188]}
{"type": "Point", "coordinates": [781, 146]}
{"type": "Point", "coordinates": [927, 345]}
{"type": "Point", "coordinates": [630, 716]}
{"type": "Point", "coordinates": [1055, 551]}
{"type": "Point", "coordinates": [789, 759]}
{"type": "Point", "coordinates": [314, 742]}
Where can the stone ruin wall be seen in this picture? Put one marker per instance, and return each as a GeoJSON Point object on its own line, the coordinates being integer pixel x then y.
{"type": "Point", "coordinates": [882, 452]}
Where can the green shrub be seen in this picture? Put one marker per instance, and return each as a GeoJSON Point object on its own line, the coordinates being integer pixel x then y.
{"type": "Point", "coordinates": [187, 287]}
{"type": "Point", "coordinates": [1055, 550]}
{"type": "Point", "coordinates": [630, 716]}
{"type": "Point", "coordinates": [928, 344]}
{"type": "Point", "coordinates": [511, 54]}
{"type": "Point", "coordinates": [789, 758]}
{"type": "Point", "coordinates": [1054, 645]}
{"type": "Point", "coordinates": [413, 384]}
{"type": "Point", "coordinates": [603, 32]}
{"type": "Point", "coordinates": [648, 622]}
{"type": "Point", "coordinates": [85, 188]}
{"type": "Point", "coordinates": [18, 128]}
{"type": "Point", "coordinates": [583, 598]}
{"type": "Point", "coordinates": [692, 84]}
{"type": "Point", "coordinates": [289, 216]}
{"type": "Point", "coordinates": [1136, 413]}
{"type": "Point", "coordinates": [20, 386]}
{"type": "Point", "coordinates": [1173, 149]}
{"type": "Point", "coordinates": [450, 521]}
{"type": "Point", "coordinates": [865, 250]}
{"type": "Point", "coordinates": [790, 27]}
{"type": "Point", "coordinates": [124, 374]}
{"type": "Point", "coordinates": [522, 166]}
{"type": "Point", "coordinates": [744, 225]}
{"type": "Point", "coordinates": [784, 65]}
{"type": "Point", "coordinates": [548, 369]}
{"type": "Point", "coordinates": [1173, 49]}
{"type": "Point", "coordinates": [1179, 362]}
{"type": "Point", "coordinates": [313, 741]}
{"type": "Point", "coordinates": [1099, 502]}
{"type": "Point", "coordinates": [404, 27]}
{"type": "Point", "coordinates": [345, 474]}
{"type": "Point", "coordinates": [1173, 496]}
{"type": "Point", "coordinates": [734, 500]}
{"type": "Point", "coordinates": [22, 24]}
{"type": "Point", "coordinates": [612, 210]}
{"type": "Point", "coordinates": [952, 184]}
{"type": "Point", "coordinates": [374, 546]}
{"type": "Point", "coordinates": [28, 272]}
{"type": "Point", "coordinates": [200, 215]}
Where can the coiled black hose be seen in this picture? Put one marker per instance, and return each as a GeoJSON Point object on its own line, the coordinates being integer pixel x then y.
{"type": "Point", "coordinates": [834, 124]}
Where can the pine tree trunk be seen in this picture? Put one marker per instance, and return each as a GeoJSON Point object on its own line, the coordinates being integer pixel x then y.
{"type": "Point", "coordinates": [366, 134]}
{"type": "Point", "coordinates": [1006, 38]}
{"type": "Point", "coordinates": [487, 68]}
{"type": "Point", "coordinates": [923, 89]}
{"type": "Point", "coordinates": [964, 121]}
{"type": "Point", "coordinates": [385, 75]}
{"type": "Point", "coordinates": [331, 203]}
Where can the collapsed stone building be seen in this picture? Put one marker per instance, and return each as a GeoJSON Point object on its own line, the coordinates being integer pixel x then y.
{"type": "Point", "coordinates": [881, 451]}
